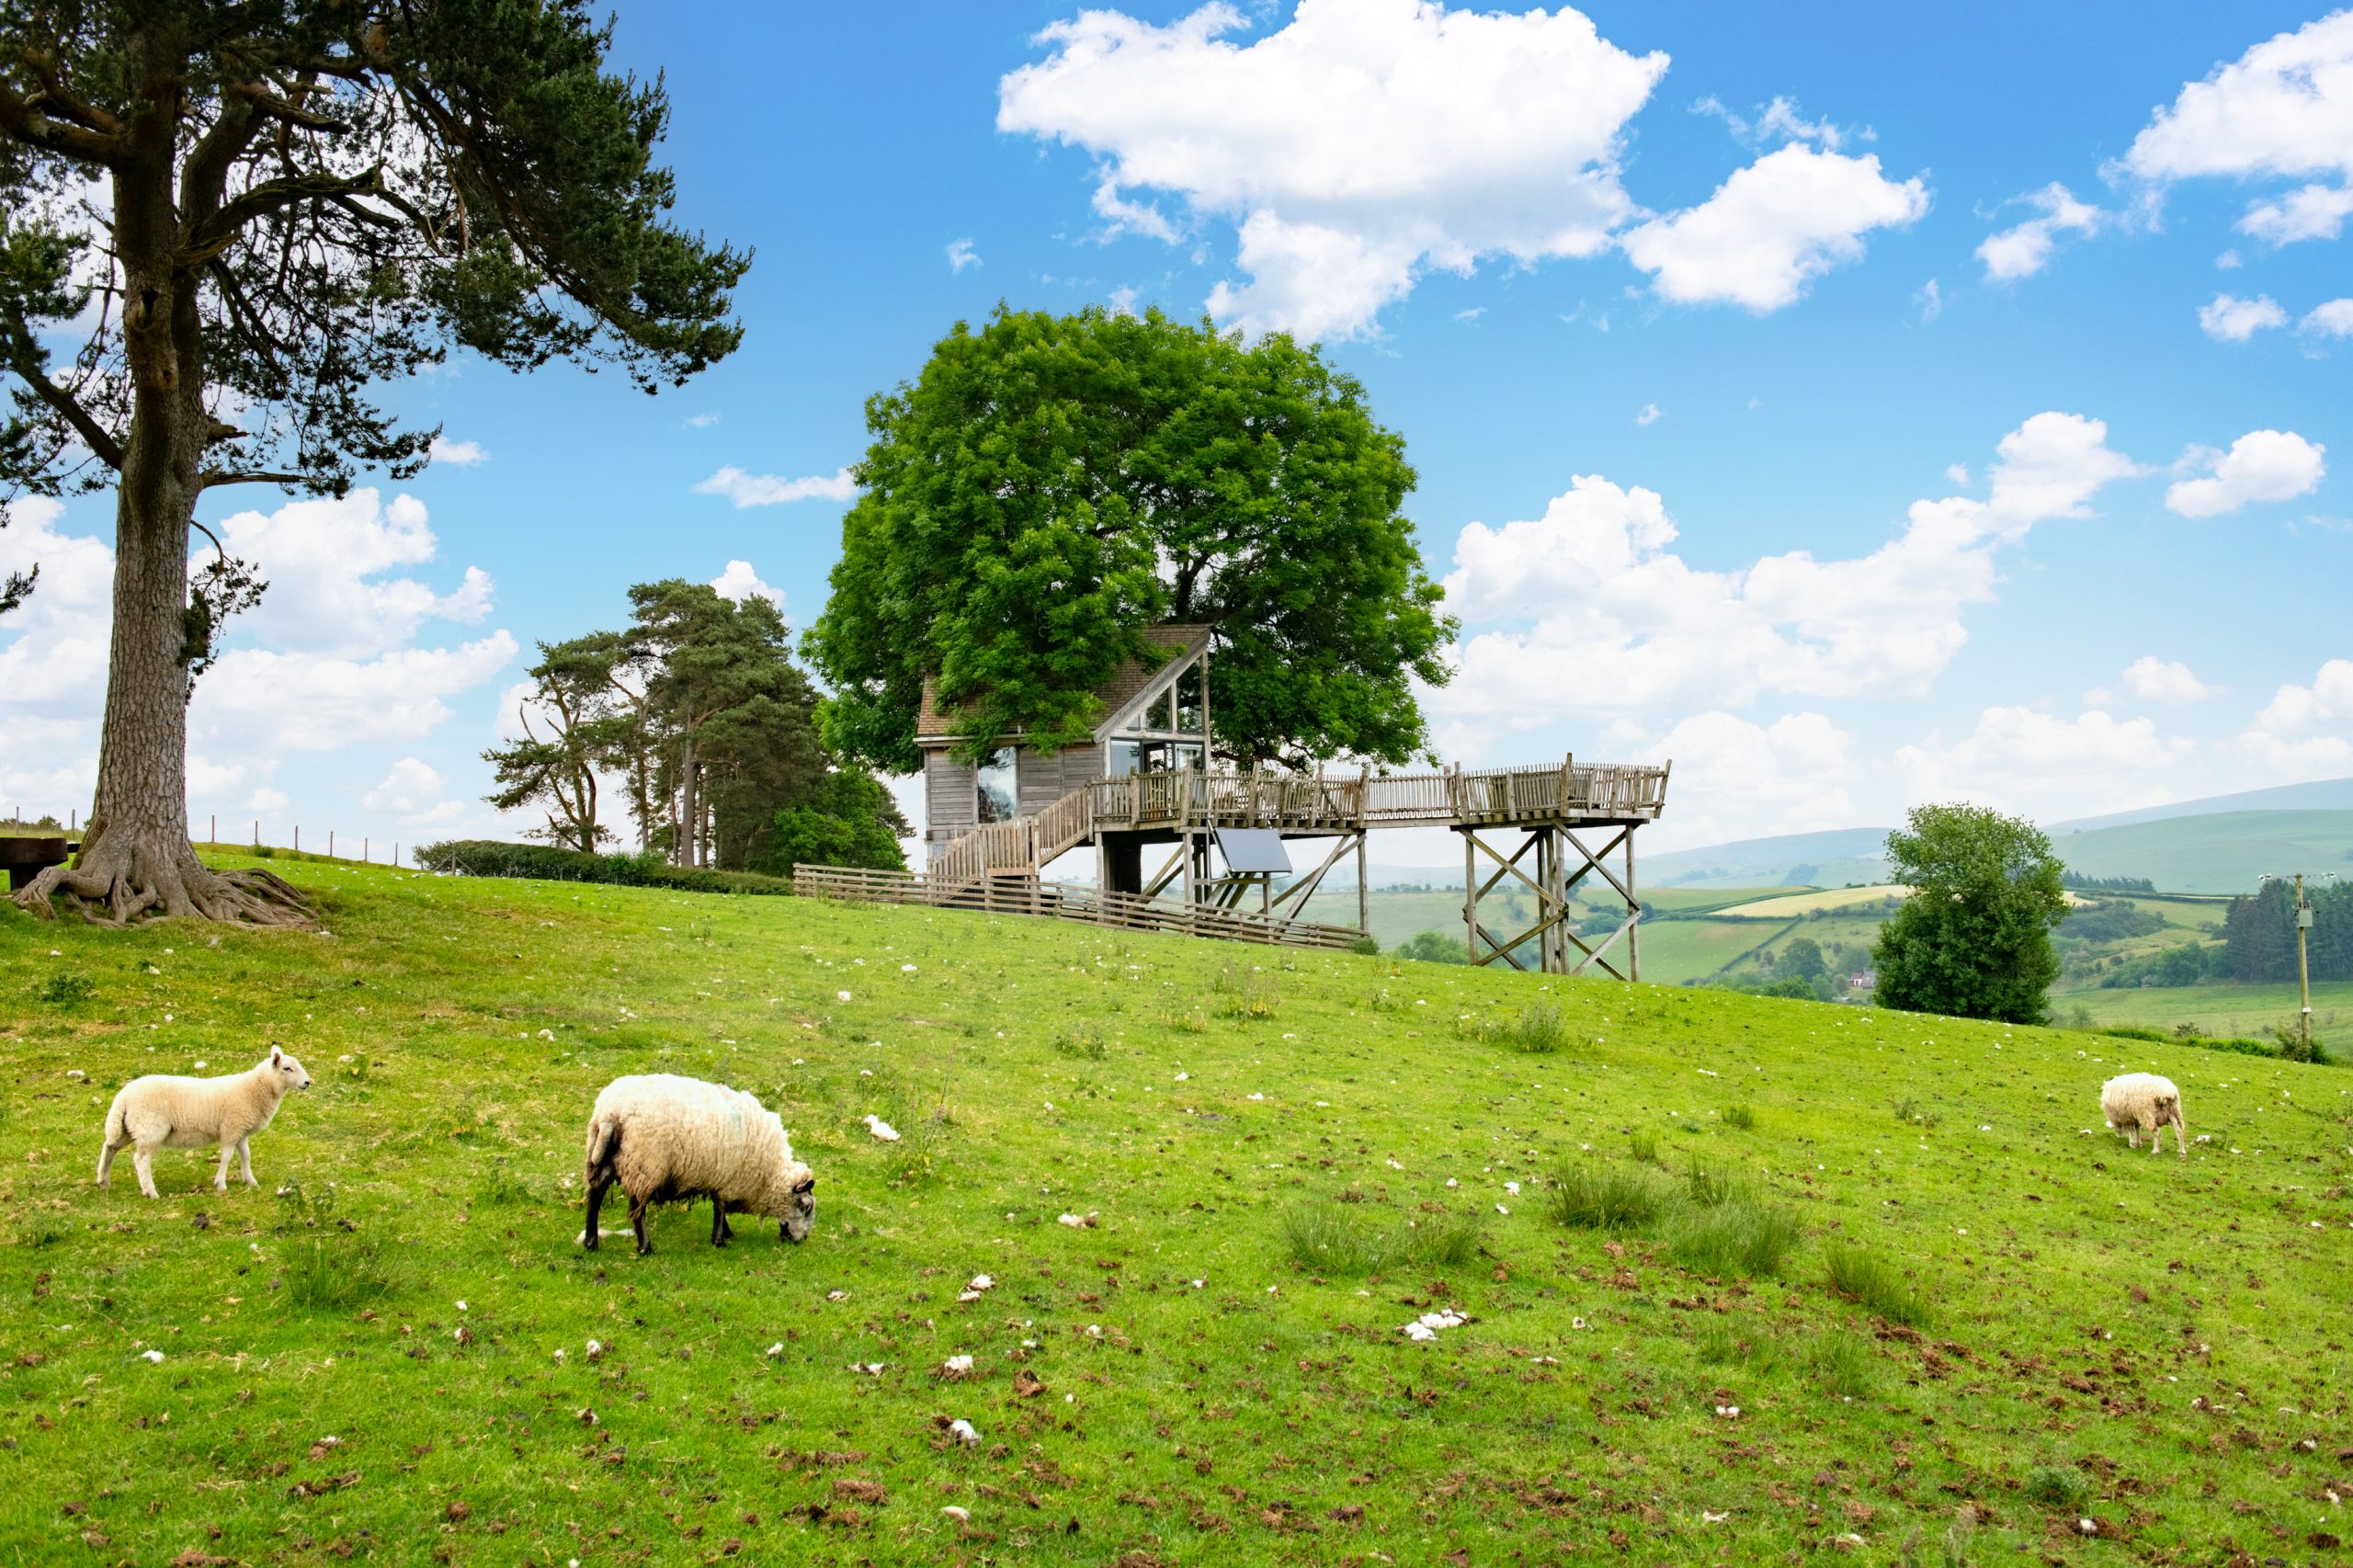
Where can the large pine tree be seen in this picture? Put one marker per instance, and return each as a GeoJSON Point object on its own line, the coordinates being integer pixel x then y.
{"type": "Point", "coordinates": [243, 220]}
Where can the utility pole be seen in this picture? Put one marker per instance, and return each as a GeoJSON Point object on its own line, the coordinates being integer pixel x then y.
{"type": "Point", "coordinates": [2304, 960]}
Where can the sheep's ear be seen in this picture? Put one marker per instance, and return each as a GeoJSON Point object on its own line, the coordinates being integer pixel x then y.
{"type": "Point", "coordinates": [805, 1184]}
{"type": "Point", "coordinates": [275, 1056]}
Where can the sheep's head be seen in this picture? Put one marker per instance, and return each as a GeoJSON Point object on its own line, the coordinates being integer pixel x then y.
{"type": "Point", "coordinates": [794, 1201]}
{"type": "Point", "coordinates": [291, 1073]}
{"type": "Point", "coordinates": [2168, 1108]}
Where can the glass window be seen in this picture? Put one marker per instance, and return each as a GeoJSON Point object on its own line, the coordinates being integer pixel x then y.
{"type": "Point", "coordinates": [1124, 759]}
{"type": "Point", "coordinates": [1154, 755]}
{"type": "Point", "coordinates": [1182, 755]}
{"type": "Point", "coordinates": [1189, 702]}
{"type": "Point", "coordinates": [998, 793]}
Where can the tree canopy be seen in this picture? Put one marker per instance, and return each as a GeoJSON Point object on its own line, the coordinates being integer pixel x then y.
{"type": "Point", "coordinates": [1049, 486]}
{"type": "Point", "coordinates": [224, 228]}
{"type": "Point", "coordinates": [1974, 941]}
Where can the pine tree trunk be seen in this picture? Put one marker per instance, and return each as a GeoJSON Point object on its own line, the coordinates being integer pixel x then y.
{"type": "Point", "coordinates": [136, 857]}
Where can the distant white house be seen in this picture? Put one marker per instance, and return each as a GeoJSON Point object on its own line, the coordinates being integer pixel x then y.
{"type": "Point", "coordinates": [1862, 980]}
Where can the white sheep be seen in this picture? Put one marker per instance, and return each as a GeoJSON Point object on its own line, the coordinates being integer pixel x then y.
{"type": "Point", "coordinates": [164, 1111]}
{"type": "Point", "coordinates": [662, 1138]}
{"type": "Point", "coordinates": [2143, 1102]}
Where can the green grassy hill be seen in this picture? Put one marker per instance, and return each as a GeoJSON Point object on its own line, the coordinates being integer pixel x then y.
{"type": "Point", "coordinates": [382, 1353]}
{"type": "Point", "coordinates": [2219, 853]}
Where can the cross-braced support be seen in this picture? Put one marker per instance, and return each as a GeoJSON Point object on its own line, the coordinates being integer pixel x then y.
{"type": "Point", "coordinates": [1552, 850]}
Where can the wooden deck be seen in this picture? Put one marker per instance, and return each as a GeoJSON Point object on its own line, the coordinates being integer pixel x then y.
{"type": "Point", "coordinates": [1063, 901]}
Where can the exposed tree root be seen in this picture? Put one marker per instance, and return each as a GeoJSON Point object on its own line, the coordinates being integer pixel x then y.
{"type": "Point", "coordinates": [118, 878]}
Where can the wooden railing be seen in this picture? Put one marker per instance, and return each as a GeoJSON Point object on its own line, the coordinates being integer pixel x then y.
{"type": "Point", "coordinates": [1027, 895]}
{"type": "Point", "coordinates": [1531, 795]}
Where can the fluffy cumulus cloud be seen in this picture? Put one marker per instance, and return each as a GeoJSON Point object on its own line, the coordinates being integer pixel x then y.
{"type": "Point", "coordinates": [2162, 680]}
{"type": "Point", "coordinates": [336, 655]}
{"type": "Point", "coordinates": [2023, 249]}
{"type": "Point", "coordinates": [960, 254]}
{"type": "Point", "coordinates": [1593, 589]}
{"type": "Point", "coordinates": [1772, 228]}
{"type": "Point", "coordinates": [769, 490]}
{"type": "Point", "coordinates": [1735, 779]}
{"type": "Point", "coordinates": [458, 454]}
{"type": "Point", "coordinates": [2228, 319]}
{"type": "Point", "coordinates": [1367, 142]}
{"type": "Point", "coordinates": [2262, 465]}
{"type": "Point", "coordinates": [413, 791]}
{"type": "Point", "coordinates": [2306, 732]}
{"type": "Point", "coordinates": [2283, 109]}
{"type": "Point", "coordinates": [2021, 760]}
{"type": "Point", "coordinates": [739, 582]}
{"type": "Point", "coordinates": [2333, 318]}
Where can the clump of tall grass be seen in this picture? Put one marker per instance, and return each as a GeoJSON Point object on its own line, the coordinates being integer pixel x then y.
{"type": "Point", "coordinates": [1610, 1198]}
{"type": "Point", "coordinates": [332, 1275]}
{"type": "Point", "coordinates": [1538, 1030]}
{"type": "Point", "coordinates": [1244, 994]}
{"type": "Point", "coordinates": [1739, 1236]}
{"type": "Point", "coordinates": [1871, 1281]}
{"type": "Point", "coordinates": [1084, 1043]}
{"type": "Point", "coordinates": [1643, 1146]}
{"type": "Point", "coordinates": [501, 1185]}
{"type": "Point", "coordinates": [2058, 1487]}
{"type": "Point", "coordinates": [1840, 1363]}
{"type": "Point", "coordinates": [1324, 1238]}
{"type": "Point", "coordinates": [1740, 1115]}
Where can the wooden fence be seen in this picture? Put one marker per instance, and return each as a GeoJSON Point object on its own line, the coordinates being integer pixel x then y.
{"type": "Point", "coordinates": [1029, 895]}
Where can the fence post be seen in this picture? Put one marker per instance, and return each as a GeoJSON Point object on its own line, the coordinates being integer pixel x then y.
{"type": "Point", "coordinates": [257, 832]}
{"type": "Point", "coordinates": [298, 838]}
{"type": "Point", "coordinates": [363, 851]}
{"type": "Point", "coordinates": [216, 830]}
{"type": "Point", "coordinates": [330, 843]}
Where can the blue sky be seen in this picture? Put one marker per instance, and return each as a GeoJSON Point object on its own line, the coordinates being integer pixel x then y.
{"type": "Point", "coordinates": [1862, 407]}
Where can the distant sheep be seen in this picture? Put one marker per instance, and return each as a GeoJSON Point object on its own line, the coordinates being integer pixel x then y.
{"type": "Point", "coordinates": [662, 1138]}
{"type": "Point", "coordinates": [2143, 1102]}
{"type": "Point", "coordinates": [161, 1111]}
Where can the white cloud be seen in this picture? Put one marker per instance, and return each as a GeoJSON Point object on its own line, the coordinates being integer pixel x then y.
{"type": "Point", "coordinates": [2020, 760]}
{"type": "Point", "coordinates": [325, 561]}
{"type": "Point", "coordinates": [1772, 228]}
{"type": "Point", "coordinates": [2314, 212]}
{"type": "Point", "coordinates": [1931, 300]}
{"type": "Point", "coordinates": [769, 490]}
{"type": "Point", "coordinates": [2161, 680]}
{"type": "Point", "coordinates": [458, 454]}
{"type": "Point", "coordinates": [2228, 261]}
{"type": "Point", "coordinates": [2332, 319]}
{"type": "Point", "coordinates": [960, 254]}
{"type": "Point", "coordinates": [2228, 319]}
{"type": "Point", "coordinates": [1592, 586]}
{"type": "Point", "coordinates": [2021, 250]}
{"type": "Point", "coordinates": [411, 786]}
{"type": "Point", "coordinates": [2306, 732]}
{"type": "Point", "coordinates": [302, 702]}
{"type": "Point", "coordinates": [1472, 313]}
{"type": "Point", "coordinates": [268, 800]}
{"type": "Point", "coordinates": [56, 661]}
{"type": "Point", "coordinates": [1776, 121]}
{"type": "Point", "coordinates": [1737, 779]}
{"type": "Point", "coordinates": [1647, 414]}
{"type": "Point", "coordinates": [2262, 465]}
{"type": "Point", "coordinates": [739, 582]}
{"type": "Point", "coordinates": [1358, 144]}
{"type": "Point", "coordinates": [2284, 108]}
{"type": "Point", "coordinates": [702, 420]}
{"type": "Point", "coordinates": [1957, 474]}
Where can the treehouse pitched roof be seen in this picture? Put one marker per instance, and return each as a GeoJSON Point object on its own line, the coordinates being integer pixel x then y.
{"type": "Point", "coordinates": [1134, 679]}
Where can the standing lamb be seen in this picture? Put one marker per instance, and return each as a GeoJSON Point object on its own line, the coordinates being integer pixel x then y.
{"type": "Point", "coordinates": [162, 1111]}
{"type": "Point", "coordinates": [663, 1138]}
{"type": "Point", "coordinates": [2143, 1102]}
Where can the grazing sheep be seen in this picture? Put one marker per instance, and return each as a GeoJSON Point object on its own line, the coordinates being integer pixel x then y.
{"type": "Point", "coordinates": [161, 1111]}
{"type": "Point", "coordinates": [2143, 1102]}
{"type": "Point", "coordinates": [661, 1137]}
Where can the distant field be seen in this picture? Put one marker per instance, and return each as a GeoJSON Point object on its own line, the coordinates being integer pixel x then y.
{"type": "Point", "coordinates": [2249, 1010]}
{"type": "Point", "coordinates": [2221, 853]}
{"type": "Point", "coordinates": [1399, 916]}
{"type": "Point", "coordinates": [1793, 904]}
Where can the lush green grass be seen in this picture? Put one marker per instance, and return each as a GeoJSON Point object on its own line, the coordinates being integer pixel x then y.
{"type": "Point", "coordinates": [2219, 1009]}
{"type": "Point", "coordinates": [2173, 1330]}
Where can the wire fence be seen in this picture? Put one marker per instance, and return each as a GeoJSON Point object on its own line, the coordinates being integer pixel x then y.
{"type": "Point", "coordinates": [247, 837]}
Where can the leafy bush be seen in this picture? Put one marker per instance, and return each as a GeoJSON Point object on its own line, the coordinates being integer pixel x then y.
{"type": "Point", "coordinates": [66, 989]}
{"type": "Point", "coordinates": [487, 858]}
{"type": "Point", "coordinates": [1324, 1238]}
{"type": "Point", "coordinates": [1608, 1197]}
{"type": "Point", "coordinates": [1433, 946]}
{"type": "Point", "coordinates": [848, 819]}
{"type": "Point", "coordinates": [1872, 1283]}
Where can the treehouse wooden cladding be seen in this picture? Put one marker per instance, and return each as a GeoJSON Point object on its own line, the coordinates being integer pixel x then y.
{"type": "Point", "coordinates": [1575, 817]}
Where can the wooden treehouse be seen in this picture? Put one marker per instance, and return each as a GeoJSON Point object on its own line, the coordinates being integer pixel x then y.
{"type": "Point", "coordinates": [1145, 797]}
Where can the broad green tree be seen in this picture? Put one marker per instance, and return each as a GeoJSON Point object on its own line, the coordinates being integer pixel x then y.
{"type": "Point", "coordinates": [573, 726]}
{"type": "Point", "coordinates": [1049, 486]}
{"type": "Point", "coordinates": [845, 818]}
{"type": "Point", "coordinates": [1974, 941]}
{"type": "Point", "coordinates": [224, 227]}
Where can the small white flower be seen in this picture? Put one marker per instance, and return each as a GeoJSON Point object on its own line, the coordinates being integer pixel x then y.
{"type": "Point", "coordinates": [152, 1355]}
{"type": "Point", "coordinates": [461, 1306]}
{"type": "Point", "coordinates": [841, 995]}
{"type": "Point", "coordinates": [1093, 1330]}
{"type": "Point", "coordinates": [559, 1352]}
{"type": "Point", "coordinates": [1451, 1182]}
{"type": "Point", "coordinates": [957, 1366]}
{"type": "Point", "coordinates": [1504, 1211]}
{"type": "Point", "coordinates": [1183, 1077]}
{"type": "Point", "coordinates": [1199, 1284]}
{"type": "Point", "coordinates": [596, 1348]}
{"type": "Point", "coordinates": [776, 1349]}
{"type": "Point", "coordinates": [1512, 1188]}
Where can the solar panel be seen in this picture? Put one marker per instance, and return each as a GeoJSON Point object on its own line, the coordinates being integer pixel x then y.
{"type": "Point", "coordinates": [1253, 849]}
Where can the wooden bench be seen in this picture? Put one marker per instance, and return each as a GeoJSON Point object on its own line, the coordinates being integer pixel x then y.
{"type": "Point", "coordinates": [27, 857]}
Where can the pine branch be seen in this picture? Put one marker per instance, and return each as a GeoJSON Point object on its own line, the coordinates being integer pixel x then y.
{"type": "Point", "coordinates": [31, 365]}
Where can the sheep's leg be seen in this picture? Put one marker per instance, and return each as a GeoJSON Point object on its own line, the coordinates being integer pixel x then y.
{"type": "Point", "coordinates": [142, 1160]}
{"type": "Point", "coordinates": [246, 1158]}
{"type": "Point", "coordinates": [2132, 1134]}
{"type": "Point", "coordinates": [719, 1232]}
{"type": "Point", "coordinates": [596, 1190]}
{"type": "Point", "coordinates": [105, 1158]}
{"type": "Point", "coordinates": [220, 1176]}
{"type": "Point", "coordinates": [637, 1207]}
{"type": "Point", "coordinates": [2156, 1137]}
{"type": "Point", "coordinates": [2180, 1136]}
